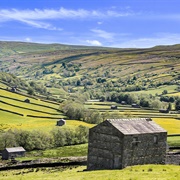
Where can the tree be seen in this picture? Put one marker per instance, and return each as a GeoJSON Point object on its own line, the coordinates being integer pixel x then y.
{"type": "Point", "coordinates": [169, 107]}
{"type": "Point", "coordinates": [165, 92]}
{"type": "Point", "coordinates": [155, 104]}
{"type": "Point", "coordinates": [177, 105]}
{"type": "Point", "coordinates": [78, 83]}
{"type": "Point", "coordinates": [24, 139]}
{"type": "Point", "coordinates": [7, 139]}
{"type": "Point", "coordinates": [82, 134]}
{"type": "Point", "coordinates": [144, 102]}
{"type": "Point", "coordinates": [30, 91]}
{"type": "Point", "coordinates": [105, 115]}
{"type": "Point", "coordinates": [59, 137]}
{"type": "Point", "coordinates": [41, 140]}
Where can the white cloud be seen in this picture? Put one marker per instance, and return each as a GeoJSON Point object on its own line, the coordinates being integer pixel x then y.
{"type": "Point", "coordinates": [62, 13]}
{"type": "Point", "coordinates": [39, 24]}
{"type": "Point", "coordinates": [36, 16]}
{"type": "Point", "coordinates": [94, 42]}
{"type": "Point", "coordinates": [99, 22]}
{"type": "Point", "coordinates": [28, 39]}
{"type": "Point", "coordinates": [146, 42]}
{"type": "Point", "coordinates": [103, 34]}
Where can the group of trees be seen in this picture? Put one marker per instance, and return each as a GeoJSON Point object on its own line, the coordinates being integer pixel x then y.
{"type": "Point", "coordinates": [32, 87]}
{"type": "Point", "coordinates": [12, 80]}
{"type": "Point", "coordinates": [76, 110]}
{"type": "Point", "coordinates": [143, 100]}
{"type": "Point", "coordinates": [35, 87]}
{"type": "Point", "coordinates": [172, 99]}
{"type": "Point", "coordinates": [37, 140]}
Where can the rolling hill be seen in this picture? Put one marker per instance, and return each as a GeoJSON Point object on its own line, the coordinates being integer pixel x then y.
{"type": "Point", "coordinates": [58, 72]}
{"type": "Point", "coordinates": [75, 68]}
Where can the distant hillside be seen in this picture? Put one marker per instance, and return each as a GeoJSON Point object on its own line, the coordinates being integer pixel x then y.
{"type": "Point", "coordinates": [8, 48]}
{"type": "Point", "coordinates": [82, 68]}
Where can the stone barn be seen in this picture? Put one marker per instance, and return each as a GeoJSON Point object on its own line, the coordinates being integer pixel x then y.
{"type": "Point", "coordinates": [61, 122]}
{"type": "Point", "coordinates": [117, 143]}
{"type": "Point", "coordinates": [114, 107]}
{"type": "Point", "coordinates": [134, 105]}
{"type": "Point", "coordinates": [13, 152]}
{"type": "Point", "coordinates": [27, 100]}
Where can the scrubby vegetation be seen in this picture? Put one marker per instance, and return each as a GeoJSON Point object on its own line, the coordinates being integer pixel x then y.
{"type": "Point", "coordinates": [38, 140]}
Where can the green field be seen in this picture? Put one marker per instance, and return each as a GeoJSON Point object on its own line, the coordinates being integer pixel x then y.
{"type": "Point", "coordinates": [66, 151]}
{"type": "Point", "coordinates": [173, 141]}
{"type": "Point", "coordinates": [11, 121]}
{"type": "Point", "coordinates": [141, 172]}
{"type": "Point", "coordinates": [170, 89]}
{"type": "Point", "coordinates": [169, 124]}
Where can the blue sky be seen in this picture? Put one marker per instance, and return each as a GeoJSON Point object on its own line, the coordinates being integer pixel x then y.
{"type": "Point", "coordinates": [111, 23]}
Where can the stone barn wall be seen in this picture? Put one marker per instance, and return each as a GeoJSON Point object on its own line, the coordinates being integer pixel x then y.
{"type": "Point", "coordinates": [105, 148]}
{"type": "Point", "coordinates": [173, 159]}
{"type": "Point", "coordinates": [145, 150]}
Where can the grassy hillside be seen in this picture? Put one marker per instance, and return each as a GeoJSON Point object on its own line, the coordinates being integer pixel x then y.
{"type": "Point", "coordinates": [149, 172]}
{"type": "Point", "coordinates": [75, 68]}
{"type": "Point", "coordinates": [10, 47]}
{"type": "Point", "coordinates": [36, 115]}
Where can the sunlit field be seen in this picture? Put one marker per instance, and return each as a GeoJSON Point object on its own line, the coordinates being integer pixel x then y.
{"type": "Point", "coordinates": [141, 172]}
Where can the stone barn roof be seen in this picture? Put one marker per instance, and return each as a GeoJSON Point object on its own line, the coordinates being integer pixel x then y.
{"type": "Point", "coordinates": [15, 149]}
{"type": "Point", "coordinates": [136, 126]}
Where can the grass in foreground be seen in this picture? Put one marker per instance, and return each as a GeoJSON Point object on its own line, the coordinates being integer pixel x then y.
{"type": "Point", "coordinates": [141, 172]}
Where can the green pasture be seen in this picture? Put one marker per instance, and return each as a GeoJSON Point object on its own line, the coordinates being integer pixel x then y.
{"type": "Point", "coordinates": [171, 90]}
{"type": "Point", "coordinates": [23, 97]}
{"type": "Point", "coordinates": [13, 121]}
{"type": "Point", "coordinates": [138, 114]}
{"type": "Point", "coordinates": [170, 124]}
{"type": "Point", "coordinates": [173, 140]}
{"type": "Point", "coordinates": [57, 91]}
{"type": "Point", "coordinates": [2, 85]}
{"type": "Point", "coordinates": [140, 172]}
{"type": "Point", "coordinates": [26, 112]}
{"type": "Point", "coordinates": [22, 104]}
{"type": "Point", "coordinates": [174, 94]}
{"type": "Point", "coordinates": [124, 110]}
{"type": "Point", "coordinates": [65, 151]}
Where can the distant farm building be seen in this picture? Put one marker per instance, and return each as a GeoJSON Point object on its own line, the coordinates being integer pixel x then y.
{"type": "Point", "coordinates": [164, 110]}
{"type": "Point", "coordinates": [117, 143]}
{"type": "Point", "coordinates": [134, 105]}
{"type": "Point", "coordinates": [61, 122]}
{"type": "Point", "coordinates": [27, 100]}
{"type": "Point", "coordinates": [123, 102]}
{"type": "Point", "coordinates": [13, 89]}
{"type": "Point", "coordinates": [13, 152]}
{"type": "Point", "coordinates": [114, 107]}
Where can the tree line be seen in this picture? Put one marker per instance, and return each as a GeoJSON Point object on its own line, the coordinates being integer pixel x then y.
{"type": "Point", "coordinates": [37, 140]}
